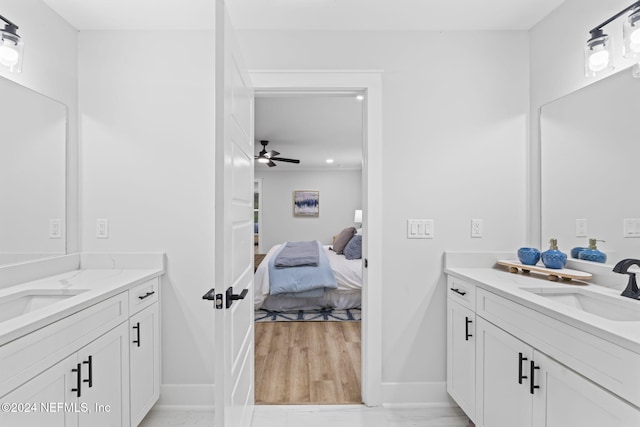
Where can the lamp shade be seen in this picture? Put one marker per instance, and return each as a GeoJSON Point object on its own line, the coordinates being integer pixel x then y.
{"type": "Point", "coordinates": [631, 34]}
{"type": "Point", "coordinates": [11, 49]}
{"type": "Point", "coordinates": [358, 216]}
{"type": "Point", "coordinates": [597, 54]}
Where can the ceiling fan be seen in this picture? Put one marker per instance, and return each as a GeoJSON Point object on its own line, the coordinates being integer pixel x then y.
{"type": "Point", "coordinates": [269, 156]}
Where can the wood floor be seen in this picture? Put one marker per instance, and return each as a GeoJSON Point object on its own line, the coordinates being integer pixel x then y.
{"type": "Point", "coordinates": [307, 363]}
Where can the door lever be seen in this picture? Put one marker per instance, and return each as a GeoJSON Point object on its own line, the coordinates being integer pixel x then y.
{"type": "Point", "coordinates": [231, 297]}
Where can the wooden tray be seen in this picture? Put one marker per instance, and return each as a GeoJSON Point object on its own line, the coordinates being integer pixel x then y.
{"type": "Point", "coordinates": [553, 274]}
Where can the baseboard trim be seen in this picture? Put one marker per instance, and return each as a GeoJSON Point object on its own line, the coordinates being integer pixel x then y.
{"type": "Point", "coordinates": [191, 397]}
{"type": "Point", "coordinates": [433, 394]}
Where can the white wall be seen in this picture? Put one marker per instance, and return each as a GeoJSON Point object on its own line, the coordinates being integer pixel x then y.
{"type": "Point", "coordinates": [557, 69]}
{"type": "Point", "coordinates": [455, 111]}
{"type": "Point", "coordinates": [50, 68]}
{"type": "Point", "coordinates": [147, 166]}
{"type": "Point", "coordinates": [340, 196]}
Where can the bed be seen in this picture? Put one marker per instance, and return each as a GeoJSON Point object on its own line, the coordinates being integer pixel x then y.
{"type": "Point", "coordinates": [348, 277]}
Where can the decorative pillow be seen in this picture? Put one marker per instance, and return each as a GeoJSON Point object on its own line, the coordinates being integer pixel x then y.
{"type": "Point", "coordinates": [353, 250]}
{"type": "Point", "coordinates": [342, 239]}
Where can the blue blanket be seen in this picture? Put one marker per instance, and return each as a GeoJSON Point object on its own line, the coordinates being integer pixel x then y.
{"type": "Point", "coordinates": [297, 254]}
{"type": "Point", "coordinates": [302, 282]}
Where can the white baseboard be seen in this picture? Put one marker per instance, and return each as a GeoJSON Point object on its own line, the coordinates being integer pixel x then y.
{"type": "Point", "coordinates": [431, 394]}
{"type": "Point", "coordinates": [186, 397]}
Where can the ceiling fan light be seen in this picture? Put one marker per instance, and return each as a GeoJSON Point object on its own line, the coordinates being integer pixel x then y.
{"type": "Point", "coordinates": [597, 54]}
{"type": "Point", "coordinates": [263, 160]}
{"type": "Point", "coordinates": [631, 35]}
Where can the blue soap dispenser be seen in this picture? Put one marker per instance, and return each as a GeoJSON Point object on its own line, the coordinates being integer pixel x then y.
{"type": "Point", "coordinates": [553, 258]}
{"type": "Point", "coordinates": [592, 253]}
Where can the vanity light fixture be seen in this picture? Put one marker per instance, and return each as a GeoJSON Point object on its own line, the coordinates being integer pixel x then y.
{"type": "Point", "coordinates": [598, 53]}
{"type": "Point", "coordinates": [11, 47]}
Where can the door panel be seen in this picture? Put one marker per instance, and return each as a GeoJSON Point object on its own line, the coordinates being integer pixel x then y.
{"type": "Point", "coordinates": [233, 338]}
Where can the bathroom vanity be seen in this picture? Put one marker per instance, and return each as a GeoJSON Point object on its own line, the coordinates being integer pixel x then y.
{"type": "Point", "coordinates": [524, 351]}
{"type": "Point", "coordinates": [80, 340]}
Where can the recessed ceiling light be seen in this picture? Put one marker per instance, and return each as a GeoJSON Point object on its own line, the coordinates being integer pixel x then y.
{"type": "Point", "coordinates": [329, 160]}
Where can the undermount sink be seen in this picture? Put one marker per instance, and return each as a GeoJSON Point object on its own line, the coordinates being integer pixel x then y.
{"type": "Point", "coordinates": [605, 306]}
{"type": "Point", "coordinates": [24, 302]}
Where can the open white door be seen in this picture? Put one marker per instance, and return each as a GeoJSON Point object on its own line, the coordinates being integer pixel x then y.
{"type": "Point", "coordinates": [233, 338]}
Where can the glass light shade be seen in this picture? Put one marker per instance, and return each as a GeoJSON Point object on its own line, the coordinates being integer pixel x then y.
{"type": "Point", "coordinates": [631, 35]}
{"type": "Point", "coordinates": [11, 51]}
{"type": "Point", "coordinates": [263, 160]}
{"type": "Point", "coordinates": [597, 55]}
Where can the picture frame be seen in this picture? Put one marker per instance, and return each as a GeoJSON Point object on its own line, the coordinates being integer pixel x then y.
{"type": "Point", "coordinates": [306, 203]}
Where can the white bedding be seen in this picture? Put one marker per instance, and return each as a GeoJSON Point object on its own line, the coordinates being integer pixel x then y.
{"type": "Point", "coordinates": [348, 295]}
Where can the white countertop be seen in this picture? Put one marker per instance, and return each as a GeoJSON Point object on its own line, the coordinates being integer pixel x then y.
{"type": "Point", "coordinates": [97, 285]}
{"type": "Point", "coordinates": [497, 279]}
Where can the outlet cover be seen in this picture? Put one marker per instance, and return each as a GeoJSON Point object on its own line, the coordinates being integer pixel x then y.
{"type": "Point", "coordinates": [476, 228]}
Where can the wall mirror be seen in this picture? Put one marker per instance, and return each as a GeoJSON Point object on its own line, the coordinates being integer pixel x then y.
{"type": "Point", "coordinates": [589, 167]}
{"type": "Point", "coordinates": [32, 174]}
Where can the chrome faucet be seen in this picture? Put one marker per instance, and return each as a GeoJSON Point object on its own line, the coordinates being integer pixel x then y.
{"type": "Point", "coordinates": [622, 267]}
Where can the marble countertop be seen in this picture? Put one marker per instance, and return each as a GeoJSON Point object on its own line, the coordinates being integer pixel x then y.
{"type": "Point", "coordinates": [519, 288]}
{"type": "Point", "coordinates": [94, 285]}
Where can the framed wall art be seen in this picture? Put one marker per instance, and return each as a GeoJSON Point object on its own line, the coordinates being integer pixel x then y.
{"type": "Point", "coordinates": [306, 203]}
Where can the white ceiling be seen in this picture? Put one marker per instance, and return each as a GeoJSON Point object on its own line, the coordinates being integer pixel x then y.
{"type": "Point", "coordinates": [307, 14]}
{"type": "Point", "coordinates": [311, 128]}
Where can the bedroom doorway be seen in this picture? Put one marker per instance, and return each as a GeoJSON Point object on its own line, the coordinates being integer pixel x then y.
{"type": "Point", "coordinates": [310, 351]}
{"type": "Point", "coordinates": [370, 83]}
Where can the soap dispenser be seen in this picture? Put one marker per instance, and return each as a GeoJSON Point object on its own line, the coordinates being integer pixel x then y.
{"type": "Point", "coordinates": [592, 253]}
{"type": "Point", "coordinates": [553, 258]}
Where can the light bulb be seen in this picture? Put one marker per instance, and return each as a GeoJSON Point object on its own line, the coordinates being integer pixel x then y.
{"type": "Point", "coordinates": [263, 160]}
{"type": "Point", "coordinates": [599, 60]}
{"type": "Point", "coordinates": [8, 54]}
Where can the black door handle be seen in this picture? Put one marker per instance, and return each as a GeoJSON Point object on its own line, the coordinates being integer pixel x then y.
{"type": "Point", "coordinates": [466, 328]}
{"type": "Point", "coordinates": [231, 297]}
{"type": "Point", "coordinates": [532, 385]}
{"type": "Point", "coordinates": [458, 291]}
{"type": "Point", "coordinates": [89, 380]}
{"type": "Point", "coordinates": [520, 376]}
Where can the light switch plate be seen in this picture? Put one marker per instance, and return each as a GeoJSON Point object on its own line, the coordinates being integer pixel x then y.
{"type": "Point", "coordinates": [419, 229]}
{"type": "Point", "coordinates": [631, 227]}
{"type": "Point", "coordinates": [55, 228]}
{"type": "Point", "coordinates": [581, 227]}
{"type": "Point", "coordinates": [102, 228]}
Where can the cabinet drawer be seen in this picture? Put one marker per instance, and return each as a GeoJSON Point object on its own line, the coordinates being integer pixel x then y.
{"type": "Point", "coordinates": [599, 360]}
{"type": "Point", "coordinates": [462, 292]}
{"type": "Point", "coordinates": [26, 357]}
{"type": "Point", "coordinates": [143, 295]}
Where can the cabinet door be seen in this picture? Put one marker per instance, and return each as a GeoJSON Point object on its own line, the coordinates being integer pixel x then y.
{"type": "Point", "coordinates": [461, 356]}
{"type": "Point", "coordinates": [144, 352]}
{"type": "Point", "coordinates": [105, 376]}
{"type": "Point", "coordinates": [502, 372]}
{"type": "Point", "coordinates": [566, 399]}
{"type": "Point", "coordinates": [46, 400]}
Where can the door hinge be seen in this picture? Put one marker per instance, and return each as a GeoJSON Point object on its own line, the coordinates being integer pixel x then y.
{"type": "Point", "coordinates": [366, 263]}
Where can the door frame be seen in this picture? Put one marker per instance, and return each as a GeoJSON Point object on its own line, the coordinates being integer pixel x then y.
{"type": "Point", "coordinates": [370, 82]}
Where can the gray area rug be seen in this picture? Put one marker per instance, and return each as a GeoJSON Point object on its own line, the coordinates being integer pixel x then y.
{"type": "Point", "coordinates": [320, 315]}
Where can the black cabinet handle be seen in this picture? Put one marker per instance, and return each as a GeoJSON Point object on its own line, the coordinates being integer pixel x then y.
{"type": "Point", "coordinates": [148, 294]}
{"type": "Point", "coordinates": [90, 379]}
{"type": "Point", "coordinates": [137, 328]}
{"type": "Point", "coordinates": [458, 291]}
{"type": "Point", "coordinates": [78, 370]}
{"type": "Point", "coordinates": [532, 385]}
{"type": "Point", "coordinates": [466, 328]}
{"type": "Point", "coordinates": [520, 376]}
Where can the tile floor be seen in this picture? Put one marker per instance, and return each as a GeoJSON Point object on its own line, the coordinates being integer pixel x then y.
{"type": "Point", "coordinates": [312, 416]}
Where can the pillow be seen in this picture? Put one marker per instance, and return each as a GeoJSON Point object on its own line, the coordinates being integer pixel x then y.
{"type": "Point", "coordinates": [353, 250]}
{"type": "Point", "coordinates": [342, 239]}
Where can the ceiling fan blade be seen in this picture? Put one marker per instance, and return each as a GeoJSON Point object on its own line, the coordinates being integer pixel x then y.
{"type": "Point", "coordinates": [282, 159]}
{"type": "Point", "coordinates": [271, 154]}
{"type": "Point", "coordinates": [271, 164]}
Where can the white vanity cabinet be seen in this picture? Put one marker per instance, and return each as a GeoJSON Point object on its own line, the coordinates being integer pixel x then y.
{"type": "Point", "coordinates": [144, 350]}
{"type": "Point", "coordinates": [461, 344]}
{"type": "Point", "coordinates": [532, 370]}
{"type": "Point", "coordinates": [89, 368]}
